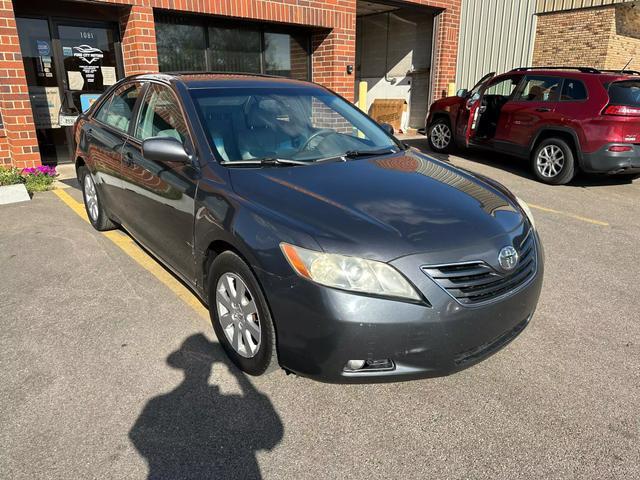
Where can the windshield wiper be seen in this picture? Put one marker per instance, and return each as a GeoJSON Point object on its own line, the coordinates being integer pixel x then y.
{"type": "Point", "coordinates": [364, 153]}
{"type": "Point", "coordinates": [262, 161]}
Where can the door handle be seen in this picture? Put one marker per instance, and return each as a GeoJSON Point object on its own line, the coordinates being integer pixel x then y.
{"type": "Point", "coordinates": [89, 134]}
{"type": "Point", "coordinates": [542, 109]}
{"type": "Point", "coordinates": [128, 159]}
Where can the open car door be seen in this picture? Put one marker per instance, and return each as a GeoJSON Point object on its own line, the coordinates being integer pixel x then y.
{"type": "Point", "coordinates": [473, 106]}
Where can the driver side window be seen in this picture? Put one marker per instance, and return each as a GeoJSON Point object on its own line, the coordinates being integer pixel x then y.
{"type": "Point", "coordinates": [160, 115]}
{"type": "Point", "coordinates": [504, 87]}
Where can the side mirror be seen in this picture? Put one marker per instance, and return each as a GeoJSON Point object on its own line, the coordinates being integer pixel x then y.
{"type": "Point", "coordinates": [462, 92]}
{"type": "Point", "coordinates": [165, 149]}
{"type": "Point", "coordinates": [387, 127]}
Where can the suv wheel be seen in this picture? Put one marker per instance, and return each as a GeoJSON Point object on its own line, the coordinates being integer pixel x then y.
{"type": "Point", "coordinates": [93, 204]}
{"type": "Point", "coordinates": [440, 136]}
{"type": "Point", "coordinates": [553, 162]}
{"type": "Point", "coordinates": [240, 315]}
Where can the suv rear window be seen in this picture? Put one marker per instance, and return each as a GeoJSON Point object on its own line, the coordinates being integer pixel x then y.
{"type": "Point", "coordinates": [626, 92]}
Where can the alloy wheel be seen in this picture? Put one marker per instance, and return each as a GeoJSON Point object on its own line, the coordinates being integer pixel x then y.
{"type": "Point", "coordinates": [238, 315]}
{"type": "Point", "coordinates": [91, 197]}
{"type": "Point", "coordinates": [440, 136]}
{"type": "Point", "coordinates": [550, 161]}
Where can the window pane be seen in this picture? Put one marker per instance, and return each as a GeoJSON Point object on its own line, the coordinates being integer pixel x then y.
{"type": "Point", "coordinates": [286, 55]}
{"type": "Point", "coordinates": [573, 90]}
{"type": "Point", "coordinates": [120, 110]}
{"type": "Point", "coordinates": [234, 50]}
{"type": "Point", "coordinates": [181, 47]}
{"type": "Point", "coordinates": [160, 115]}
{"type": "Point", "coordinates": [625, 93]}
{"type": "Point", "coordinates": [504, 88]}
{"type": "Point", "coordinates": [540, 89]}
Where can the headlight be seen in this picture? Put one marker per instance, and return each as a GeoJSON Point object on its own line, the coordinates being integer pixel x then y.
{"type": "Point", "coordinates": [348, 273]}
{"type": "Point", "coordinates": [527, 211]}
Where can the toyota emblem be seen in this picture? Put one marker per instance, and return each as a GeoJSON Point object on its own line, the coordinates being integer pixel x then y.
{"type": "Point", "coordinates": [508, 258]}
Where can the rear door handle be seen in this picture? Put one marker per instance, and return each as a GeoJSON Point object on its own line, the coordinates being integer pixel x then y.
{"type": "Point", "coordinates": [542, 109]}
{"type": "Point", "coordinates": [128, 159]}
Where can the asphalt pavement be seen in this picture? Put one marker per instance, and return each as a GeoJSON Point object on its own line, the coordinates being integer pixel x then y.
{"type": "Point", "coordinates": [108, 373]}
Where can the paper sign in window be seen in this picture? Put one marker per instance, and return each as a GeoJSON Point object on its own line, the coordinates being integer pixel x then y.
{"type": "Point", "coordinates": [76, 82]}
{"type": "Point", "coordinates": [108, 76]}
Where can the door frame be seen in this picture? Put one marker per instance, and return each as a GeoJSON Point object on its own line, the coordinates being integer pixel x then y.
{"type": "Point", "coordinates": [53, 22]}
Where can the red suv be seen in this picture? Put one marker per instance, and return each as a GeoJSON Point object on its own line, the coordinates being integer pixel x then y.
{"type": "Point", "coordinates": [562, 119]}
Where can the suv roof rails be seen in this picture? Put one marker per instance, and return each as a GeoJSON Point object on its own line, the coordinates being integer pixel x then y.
{"type": "Point", "coordinates": [622, 72]}
{"type": "Point", "coordinates": [580, 69]}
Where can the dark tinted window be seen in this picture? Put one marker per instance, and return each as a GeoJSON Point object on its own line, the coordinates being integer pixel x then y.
{"type": "Point", "coordinates": [160, 115]}
{"type": "Point", "coordinates": [625, 93]}
{"type": "Point", "coordinates": [234, 50]}
{"type": "Point", "coordinates": [573, 90]}
{"type": "Point", "coordinates": [181, 47]}
{"type": "Point", "coordinates": [118, 110]}
{"type": "Point", "coordinates": [540, 89]}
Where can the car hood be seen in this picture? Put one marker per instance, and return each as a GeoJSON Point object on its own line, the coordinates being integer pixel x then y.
{"type": "Point", "coordinates": [387, 207]}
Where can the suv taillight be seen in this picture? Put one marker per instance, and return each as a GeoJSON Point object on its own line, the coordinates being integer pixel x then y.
{"type": "Point", "coordinates": [622, 110]}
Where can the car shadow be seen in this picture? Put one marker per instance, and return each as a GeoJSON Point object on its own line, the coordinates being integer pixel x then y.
{"type": "Point", "coordinates": [194, 431]}
{"type": "Point", "coordinates": [516, 166]}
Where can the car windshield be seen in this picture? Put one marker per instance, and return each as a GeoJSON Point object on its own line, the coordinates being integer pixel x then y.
{"type": "Point", "coordinates": [302, 124]}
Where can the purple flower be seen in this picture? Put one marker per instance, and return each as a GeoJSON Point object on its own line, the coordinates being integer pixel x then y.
{"type": "Point", "coordinates": [41, 170]}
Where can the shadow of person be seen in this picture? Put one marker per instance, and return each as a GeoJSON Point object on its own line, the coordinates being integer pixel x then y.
{"type": "Point", "coordinates": [196, 432]}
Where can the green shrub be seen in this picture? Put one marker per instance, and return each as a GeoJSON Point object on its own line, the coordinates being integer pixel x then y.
{"type": "Point", "coordinates": [10, 176]}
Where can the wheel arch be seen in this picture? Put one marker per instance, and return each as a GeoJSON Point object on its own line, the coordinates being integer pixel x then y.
{"type": "Point", "coordinates": [567, 134]}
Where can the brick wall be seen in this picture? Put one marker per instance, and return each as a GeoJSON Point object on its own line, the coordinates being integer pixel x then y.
{"type": "Point", "coordinates": [18, 143]}
{"type": "Point", "coordinates": [138, 32]}
{"type": "Point", "coordinates": [604, 37]}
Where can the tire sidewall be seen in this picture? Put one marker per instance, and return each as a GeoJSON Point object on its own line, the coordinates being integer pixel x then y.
{"type": "Point", "coordinates": [265, 360]}
{"type": "Point", "coordinates": [446, 123]}
{"type": "Point", "coordinates": [568, 170]}
{"type": "Point", "coordinates": [101, 223]}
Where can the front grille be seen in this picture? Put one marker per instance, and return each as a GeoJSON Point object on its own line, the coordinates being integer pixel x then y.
{"type": "Point", "coordinates": [475, 282]}
{"type": "Point", "coordinates": [476, 353]}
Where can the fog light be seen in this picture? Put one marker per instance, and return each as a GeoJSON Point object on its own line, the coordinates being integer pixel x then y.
{"type": "Point", "coordinates": [354, 364]}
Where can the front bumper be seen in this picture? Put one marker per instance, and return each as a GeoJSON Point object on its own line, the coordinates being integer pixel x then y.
{"type": "Point", "coordinates": [612, 163]}
{"type": "Point", "coordinates": [320, 329]}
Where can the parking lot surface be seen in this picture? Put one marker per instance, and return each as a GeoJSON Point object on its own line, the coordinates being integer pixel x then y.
{"type": "Point", "coordinates": [111, 370]}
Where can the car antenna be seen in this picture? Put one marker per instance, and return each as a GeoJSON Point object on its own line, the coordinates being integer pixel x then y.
{"type": "Point", "coordinates": [626, 65]}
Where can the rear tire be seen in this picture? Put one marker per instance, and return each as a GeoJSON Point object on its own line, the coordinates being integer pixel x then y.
{"type": "Point", "coordinates": [240, 315]}
{"type": "Point", "coordinates": [93, 204]}
{"type": "Point", "coordinates": [553, 162]}
{"type": "Point", "coordinates": [440, 136]}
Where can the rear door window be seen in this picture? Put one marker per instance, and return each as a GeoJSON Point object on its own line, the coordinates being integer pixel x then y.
{"type": "Point", "coordinates": [539, 89]}
{"type": "Point", "coordinates": [117, 112]}
{"type": "Point", "coordinates": [573, 90]}
{"type": "Point", "coordinates": [625, 93]}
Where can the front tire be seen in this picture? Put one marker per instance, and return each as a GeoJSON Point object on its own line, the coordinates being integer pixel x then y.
{"type": "Point", "coordinates": [553, 162]}
{"type": "Point", "coordinates": [440, 136]}
{"type": "Point", "coordinates": [240, 315]}
{"type": "Point", "coordinates": [93, 203]}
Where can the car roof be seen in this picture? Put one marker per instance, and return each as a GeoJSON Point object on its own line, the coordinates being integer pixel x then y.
{"type": "Point", "coordinates": [196, 80]}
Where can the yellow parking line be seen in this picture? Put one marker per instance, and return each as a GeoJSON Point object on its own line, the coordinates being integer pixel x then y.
{"type": "Point", "coordinates": [128, 246]}
{"type": "Point", "coordinates": [571, 215]}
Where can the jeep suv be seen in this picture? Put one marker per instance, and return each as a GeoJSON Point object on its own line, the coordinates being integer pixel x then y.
{"type": "Point", "coordinates": [562, 119]}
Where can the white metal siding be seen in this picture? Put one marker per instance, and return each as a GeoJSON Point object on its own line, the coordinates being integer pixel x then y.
{"type": "Point", "coordinates": [495, 35]}
{"type": "Point", "coordinates": [546, 6]}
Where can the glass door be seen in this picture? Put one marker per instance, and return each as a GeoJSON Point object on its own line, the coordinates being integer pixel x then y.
{"type": "Point", "coordinates": [44, 92]}
{"type": "Point", "coordinates": [68, 64]}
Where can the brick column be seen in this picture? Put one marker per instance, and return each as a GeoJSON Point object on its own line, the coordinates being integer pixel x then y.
{"type": "Point", "coordinates": [446, 50]}
{"type": "Point", "coordinates": [333, 50]}
{"type": "Point", "coordinates": [18, 141]}
{"type": "Point", "coordinates": [139, 40]}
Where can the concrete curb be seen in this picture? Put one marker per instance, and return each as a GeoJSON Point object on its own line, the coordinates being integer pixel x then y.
{"type": "Point", "coordinates": [13, 194]}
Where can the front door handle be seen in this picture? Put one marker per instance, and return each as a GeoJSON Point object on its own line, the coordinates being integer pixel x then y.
{"type": "Point", "coordinates": [542, 109]}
